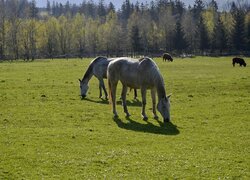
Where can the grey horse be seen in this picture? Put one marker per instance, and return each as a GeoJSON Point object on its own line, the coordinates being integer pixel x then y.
{"type": "Point", "coordinates": [143, 74]}
{"type": "Point", "coordinates": [98, 68]}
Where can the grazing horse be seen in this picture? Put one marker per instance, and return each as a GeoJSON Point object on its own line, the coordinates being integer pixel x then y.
{"type": "Point", "coordinates": [166, 57]}
{"type": "Point", "coordinates": [239, 61]}
{"type": "Point", "coordinates": [98, 68]}
{"type": "Point", "coordinates": [143, 74]}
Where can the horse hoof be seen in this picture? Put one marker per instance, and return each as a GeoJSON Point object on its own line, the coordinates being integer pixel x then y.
{"type": "Point", "coordinates": [166, 120]}
{"type": "Point", "coordinates": [145, 118]}
{"type": "Point", "coordinates": [115, 116]}
{"type": "Point", "coordinates": [127, 115]}
{"type": "Point", "coordinates": [156, 118]}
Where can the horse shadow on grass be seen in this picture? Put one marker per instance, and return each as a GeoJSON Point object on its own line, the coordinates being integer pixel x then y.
{"type": "Point", "coordinates": [164, 128]}
{"type": "Point", "coordinates": [99, 101]}
{"type": "Point", "coordinates": [134, 102]}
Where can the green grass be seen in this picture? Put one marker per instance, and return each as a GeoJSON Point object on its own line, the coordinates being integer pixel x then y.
{"type": "Point", "coordinates": [48, 132]}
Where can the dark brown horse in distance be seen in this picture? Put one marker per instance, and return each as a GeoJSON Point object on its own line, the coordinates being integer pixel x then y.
{"type": "Point", "coordinates": [166, 57]}
{"type": "Point", "coordinates": [239, 61]}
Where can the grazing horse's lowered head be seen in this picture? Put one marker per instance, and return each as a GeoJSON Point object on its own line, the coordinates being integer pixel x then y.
{"type": "Point", "coordinates": [98, 68]}
{"type": "Point", "coordinates": [143, 74]}
{"type": "Point", "coordinates": [84, 88]}
{"type": "Point", "coordinates": [163, 107]}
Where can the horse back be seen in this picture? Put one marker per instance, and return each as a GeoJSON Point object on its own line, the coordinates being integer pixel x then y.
{"type": "Point", "coordinates": [148, 73]}
{"type": "Point", "coordinates": [238, 60]}
{"type": "Point", "coordinates": [133, 73]}
{"type": "Point", "coordinates": [126, 70]}
{"type": "Point", "coordinates": [167, 56]}
{"type": "Point", "coordinates": [100, 66]}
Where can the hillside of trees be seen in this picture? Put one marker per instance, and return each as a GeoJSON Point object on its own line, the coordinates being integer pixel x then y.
{"type": "Point", "coordinates": [89, 29]}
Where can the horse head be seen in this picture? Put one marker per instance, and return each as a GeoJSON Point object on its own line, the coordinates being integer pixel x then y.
{"type": "Point", "coordinates": [83, 88]}
{"type": "Point", "coordinates": [171, 59]}
{"type": "Point", "coordinates": [163, 107]}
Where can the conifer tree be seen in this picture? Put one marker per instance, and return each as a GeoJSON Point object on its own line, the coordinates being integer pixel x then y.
{"type": "Point", "coordinates": [238, 31]}
{"type": "Point", "coordinates": [33, 9]}
{"type": "Point", "coordinates": [203, 36]}
{"type": "Point", "coordinates": [219, 41]}
{"type": "Point", "coordinates": [179, 37]}
{"type": "Point", "coordinates": [2, 29]}
{"type": "Point", "coordinates": [135, 39]}
{"type": "Point", "coordinates": [48, 7]}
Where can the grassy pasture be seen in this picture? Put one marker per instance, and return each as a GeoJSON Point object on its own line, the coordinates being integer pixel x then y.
{"type": "Point", "coordinates": [47, 132]}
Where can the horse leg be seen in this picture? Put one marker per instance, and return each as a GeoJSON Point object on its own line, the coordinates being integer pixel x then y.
{"type": "Point", "coordinates": [100, 89]}
{"type": "Point", "coordinates": [154, 103]}
{"type": "Point", "coordinates": [143, 95]}
{"type": "Point", "coordinates": [104, 89]}
{"type": "Point", "coordinates": [124, 104]}
{"type": "Point", "coordinates": [135, 94]}
{"type": "Point", "coordinates": [112, 86]}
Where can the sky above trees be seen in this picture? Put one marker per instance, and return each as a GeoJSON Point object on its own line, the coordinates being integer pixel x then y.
{"type": "Point", "coordinates": [42, 3]}
{"type": "Point", "coordinates": [118, 3]}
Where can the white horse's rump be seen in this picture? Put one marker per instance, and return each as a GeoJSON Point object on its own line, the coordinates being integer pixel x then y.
{"type": "Point", "coordinates": [143, 74]}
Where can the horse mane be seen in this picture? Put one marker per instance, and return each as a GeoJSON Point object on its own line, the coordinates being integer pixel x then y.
{"type": "Point", "coordinates": [91, 65]}
{"type": "Point", "coordinates": [156, 76]}
{"type": "Point", "coordinates": [147, 61]}
{"type": "Point", "coordinates": [141, 59]}
{"type": "Point", "coordinates": [144, 58]}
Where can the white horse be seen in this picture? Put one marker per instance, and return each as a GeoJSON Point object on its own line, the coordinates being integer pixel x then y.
{"type": "Point", "coordinates": [98, 68]}
{"type": "Point", "coordinates": [143, 74]}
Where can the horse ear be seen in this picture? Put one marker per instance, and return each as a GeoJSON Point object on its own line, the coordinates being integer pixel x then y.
{"type": "Point", "coordinates": [169, 95]}
{"type": "Point", "coordinates": [80, 80]}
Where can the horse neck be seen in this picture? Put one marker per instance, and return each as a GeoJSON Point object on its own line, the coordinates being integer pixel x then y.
{"type": "Point", "coordinates": [89, 73]}
{"type": "Point", "coordinates": [160, 88]}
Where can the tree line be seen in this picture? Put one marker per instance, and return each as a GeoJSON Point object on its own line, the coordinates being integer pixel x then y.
{"type": "Point", "coordinates": [91, 29]}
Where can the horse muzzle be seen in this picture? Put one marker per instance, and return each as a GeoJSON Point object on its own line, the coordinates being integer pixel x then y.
{"type": "Point", "coordinates": [83, 96]}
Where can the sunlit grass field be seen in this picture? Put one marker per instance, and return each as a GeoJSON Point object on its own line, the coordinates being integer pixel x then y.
{"type": "Point", "coordinates": [48, 132]}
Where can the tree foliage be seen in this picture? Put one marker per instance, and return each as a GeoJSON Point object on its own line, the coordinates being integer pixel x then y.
{"type": "Point", "coordinates": [91, 29]}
